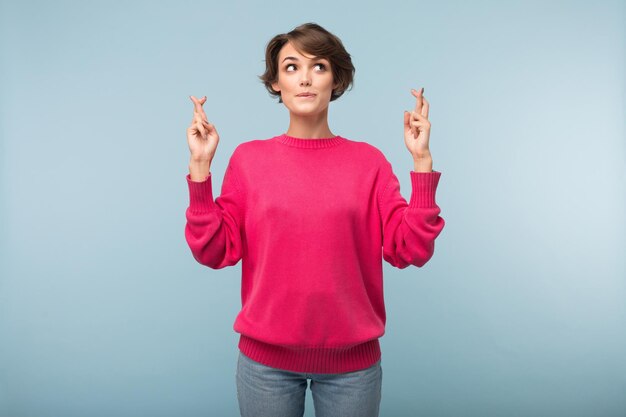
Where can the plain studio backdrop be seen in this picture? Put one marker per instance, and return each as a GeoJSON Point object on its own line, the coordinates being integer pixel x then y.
{"type": "Point", "coordinates": [520, 312]}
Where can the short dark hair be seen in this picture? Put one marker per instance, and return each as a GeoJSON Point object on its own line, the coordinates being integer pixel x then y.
{"type": "Point", "coordinates": [310, 38]}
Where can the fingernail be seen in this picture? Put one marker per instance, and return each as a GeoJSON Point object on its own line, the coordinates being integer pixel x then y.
{"type": "Point", "coordinates": [422, 90]}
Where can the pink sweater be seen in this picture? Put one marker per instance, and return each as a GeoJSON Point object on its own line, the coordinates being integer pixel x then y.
{"type": "Point", "coordinates": [312, 220]}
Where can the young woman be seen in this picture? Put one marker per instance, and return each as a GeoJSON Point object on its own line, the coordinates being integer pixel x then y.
{"type": "Point", "coordinates": [312, 215]}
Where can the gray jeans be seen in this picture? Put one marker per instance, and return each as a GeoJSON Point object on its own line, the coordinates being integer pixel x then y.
{"type": "Point", "coordinates": [263, 391]}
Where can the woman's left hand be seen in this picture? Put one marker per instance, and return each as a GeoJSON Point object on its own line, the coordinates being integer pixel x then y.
{"type": "Point", "coordinates": [417, 127]}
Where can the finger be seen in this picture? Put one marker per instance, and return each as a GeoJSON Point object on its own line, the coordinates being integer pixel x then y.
{"type": "Point", "coordinates": [197, 104]}
{"type": "Point", "coordinates": [201, 110]}
{"type": "Point", "coordinates": [425, 108]}
{"type": "Point", "coordinates": [412, 128]}
{"type": "Point", "coordinates": [417, 124]}
{"type": "Point", "coordinates": [199, 119]}
{"type": "Point", "coordinates": [198, 101]}
{"type": "Point", "coordinates": [202, 130]}
{"type": "Point", "coordinates": [200, 124]}
{"type": "Point", "coordinates": [424, 123]}
{"type": "Point", "coordinates": [417, 116]}
{"type": "Point", "coordinates": [407, 121]}
{"type": "Point", "coordinates": [418, 99]}
{"type": "Point", "coordinates": [202, 113]}
{"type": "Point", "coordinates": [208, 126]}
{"type": "Point", "coordinates": [193, 117]}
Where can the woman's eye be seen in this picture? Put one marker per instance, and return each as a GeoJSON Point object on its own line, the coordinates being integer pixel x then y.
{"type": "Point", "coordinates": [293, 65]}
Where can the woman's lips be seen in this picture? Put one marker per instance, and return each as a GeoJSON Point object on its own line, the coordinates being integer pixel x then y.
{"type": "Point", "coordinates": [307, 96]}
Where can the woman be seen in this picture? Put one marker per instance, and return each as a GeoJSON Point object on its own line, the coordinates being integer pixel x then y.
{"type": "Point", "coordinates": [311, 214]}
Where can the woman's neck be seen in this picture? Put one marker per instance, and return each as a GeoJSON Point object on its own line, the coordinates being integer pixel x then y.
{"type": "Point", "coordinates": [309, 127]}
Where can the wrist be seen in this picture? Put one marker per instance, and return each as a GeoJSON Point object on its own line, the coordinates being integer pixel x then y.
{"type": "Point", "coordinates": [199, 170]}
{"type": "Point", "coordinates": [200, 160]}
{"type": "Point", "coordinates": [423, 165]}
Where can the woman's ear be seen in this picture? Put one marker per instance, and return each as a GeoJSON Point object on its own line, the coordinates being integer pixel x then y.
{"type": "Point", "coordinates": [275, 87]}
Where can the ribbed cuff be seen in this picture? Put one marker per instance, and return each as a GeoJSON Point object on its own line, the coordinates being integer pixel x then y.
{"type": "Point", "coordinates": [200, 194]}
{"type": "Point", "coordinates": [424, 187]}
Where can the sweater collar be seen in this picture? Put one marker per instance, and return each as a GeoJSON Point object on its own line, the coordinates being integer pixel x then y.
{"type": "Point", "coordinates": [311, 143]}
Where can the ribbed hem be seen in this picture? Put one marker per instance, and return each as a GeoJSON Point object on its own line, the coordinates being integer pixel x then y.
{"type": "Point", "coordinates": [312, 360]}
{"type": "Point", "coordinates": [200, 194]}
{"type": "Point", "coordinates": [310, 143]}
{"type": "Point", "coordinates": [424, 186]}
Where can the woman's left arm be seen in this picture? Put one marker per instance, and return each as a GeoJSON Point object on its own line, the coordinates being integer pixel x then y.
{"type": "Point", "coordinates": [410, 230]}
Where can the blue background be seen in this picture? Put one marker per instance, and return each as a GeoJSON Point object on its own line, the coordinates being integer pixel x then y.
{"type": "Point", "coordinates": [521, 311]}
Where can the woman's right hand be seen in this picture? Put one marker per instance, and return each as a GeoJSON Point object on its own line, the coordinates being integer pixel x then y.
{"type": "Point", "coordinates": [202, 136]}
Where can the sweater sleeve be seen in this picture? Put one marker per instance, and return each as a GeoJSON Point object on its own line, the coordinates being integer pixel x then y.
{"type": "Point", "coordinates": [409, 229]}
{"type": "Point", "coordinates": [213, 230]}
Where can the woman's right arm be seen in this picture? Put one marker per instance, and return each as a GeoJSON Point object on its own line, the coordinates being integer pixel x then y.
{"type": "Point", "coordinates": [213, 228]}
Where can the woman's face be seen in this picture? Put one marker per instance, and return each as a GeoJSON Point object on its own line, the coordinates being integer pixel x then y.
{"type": "Point", "coordinates": [298, 74]}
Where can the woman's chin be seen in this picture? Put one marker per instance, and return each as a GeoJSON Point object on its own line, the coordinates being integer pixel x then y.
{"type": "Point", "coordinates": [305, 110]}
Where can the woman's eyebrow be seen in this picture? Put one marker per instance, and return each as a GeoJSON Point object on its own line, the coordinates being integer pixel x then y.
{"type": "Point", "coordinates": [296, 59]}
